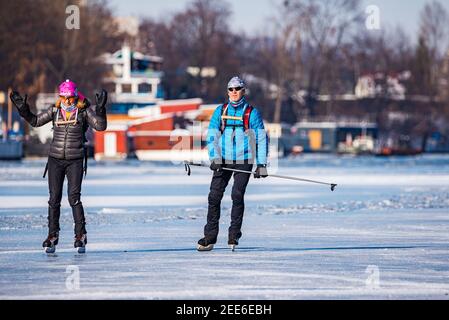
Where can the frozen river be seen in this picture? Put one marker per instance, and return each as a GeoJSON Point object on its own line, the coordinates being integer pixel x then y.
{"type": "Point", "coordinates": [383, 234]}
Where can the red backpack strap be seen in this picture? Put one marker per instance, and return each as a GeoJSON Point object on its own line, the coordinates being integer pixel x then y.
{"type": "Point", "coordinates": [246, 116]}
{"type": "Point", "coordinates": [224, 111]}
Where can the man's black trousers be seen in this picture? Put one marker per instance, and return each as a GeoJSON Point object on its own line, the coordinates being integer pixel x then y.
{"type": "Point", "coordinates": [217, 188]}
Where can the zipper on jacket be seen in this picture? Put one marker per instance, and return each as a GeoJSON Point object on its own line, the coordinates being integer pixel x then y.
{"type": "Point", "coordinates": [65, 139]}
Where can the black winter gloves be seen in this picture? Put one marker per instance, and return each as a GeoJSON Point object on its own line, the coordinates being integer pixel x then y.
{"type": "Point", "coordinates": [20, 102]}
{"type": "Point", "coordinates": [216, 166]}
{"type": "Point", "coordinates": [101, 100]}
{"type": "Point", "coordinates": [261, 171]}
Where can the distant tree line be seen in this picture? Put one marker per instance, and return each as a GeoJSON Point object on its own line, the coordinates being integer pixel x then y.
{"type": "Point", "coordinates": [306, 49]}
{"type": "Point", "coordinates": [37, 51]}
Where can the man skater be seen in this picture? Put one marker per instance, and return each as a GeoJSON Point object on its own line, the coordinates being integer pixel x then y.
{"type": "Point", "coordinates": [71, 115]}
{"type": "Point", "coordinates": [236, 137]}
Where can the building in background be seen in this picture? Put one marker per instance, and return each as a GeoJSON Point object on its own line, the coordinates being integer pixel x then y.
{"type": "Point", "coordinates": [389, 85]}
{"type": "Point", "coordinates": [329, 137]}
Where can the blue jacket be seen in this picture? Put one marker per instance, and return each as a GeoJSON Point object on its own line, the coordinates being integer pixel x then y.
{"type": "Point", "coordinates": [234, 143]}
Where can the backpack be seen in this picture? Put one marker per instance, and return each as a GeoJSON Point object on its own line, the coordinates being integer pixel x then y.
{"type": "Point", "coordinates": [244, 118]}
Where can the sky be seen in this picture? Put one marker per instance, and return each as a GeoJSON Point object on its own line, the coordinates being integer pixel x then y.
{"type": "Point", "coordinates": [253, 15]}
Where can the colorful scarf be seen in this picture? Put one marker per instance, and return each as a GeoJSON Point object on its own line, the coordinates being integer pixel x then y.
{"type": "Point", "coordinates": [239, 103]}
{"type": "Point", "coordinates": [67, 110]}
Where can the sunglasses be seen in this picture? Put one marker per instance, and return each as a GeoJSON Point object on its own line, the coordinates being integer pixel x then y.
{"type": "Point", "coordinates": [235, 89]}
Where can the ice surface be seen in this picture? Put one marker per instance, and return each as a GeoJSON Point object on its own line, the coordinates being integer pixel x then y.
{"type": "Point", "coordinates": [300, 241]}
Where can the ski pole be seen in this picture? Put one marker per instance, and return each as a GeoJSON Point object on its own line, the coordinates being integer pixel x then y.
{"type": "Point", "coordinates": [187, 165]}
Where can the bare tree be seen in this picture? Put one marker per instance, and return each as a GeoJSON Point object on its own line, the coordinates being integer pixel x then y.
{"type": "Point", "coordinates": [434, 28]}
{"type": "Point", "coordinates": [431, 48]}
{"type": "Point", "coordinates": [201, 37]}
{"type": "Point", "coordinates": [305, 50]}
{"type": "Point", "coordinates": [326, 26]}
{"type": "Point", "coordinates": [37, 50]}
{"type": "Point", "coordinates": [286, 58]}
{"type": "Point", "coordinates": [79, 53]}
{"type": "Point", "coordinates": [389, 50]}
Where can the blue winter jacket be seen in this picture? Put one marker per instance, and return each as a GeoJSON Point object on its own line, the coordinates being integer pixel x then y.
{"type": "Point", "coordinates": [234, 143]}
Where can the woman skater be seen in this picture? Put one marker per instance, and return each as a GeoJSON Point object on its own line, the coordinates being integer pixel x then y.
{"type": "Point", "coordinates": [71, 115]}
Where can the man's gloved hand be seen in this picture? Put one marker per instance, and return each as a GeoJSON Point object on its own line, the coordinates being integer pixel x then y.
{"type": "Point", "coordinates": [101, 100]}
{"type": "Point", "coordinates": [216, 166]}
{"type": "Point", "coordinates": [261, 171]}
{"type": "Point", "coordinates": [19, 101]}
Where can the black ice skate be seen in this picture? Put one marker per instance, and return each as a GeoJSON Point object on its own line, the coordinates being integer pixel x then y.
{"type": "Point", "coordinates": [50, 243]}
{"type": "Point", "coordinates": [205, 245]}
{"type": "Point", "coordinates": [80, 243]}
{"type": "Point", "coordinates": [233, 243]}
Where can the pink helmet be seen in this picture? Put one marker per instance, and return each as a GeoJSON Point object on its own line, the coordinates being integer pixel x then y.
{"type": "Point", "coordinates": [68, 89]}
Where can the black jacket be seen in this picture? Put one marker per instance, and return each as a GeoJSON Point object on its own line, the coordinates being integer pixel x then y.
{"type": "Point", "coordinates": [68, 139]}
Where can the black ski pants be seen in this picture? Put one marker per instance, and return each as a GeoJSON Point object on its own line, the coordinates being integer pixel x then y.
{"type": "Point", "coordinates": [58, 169]}
{"type": "Point", "coordinates": [217, 188]}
